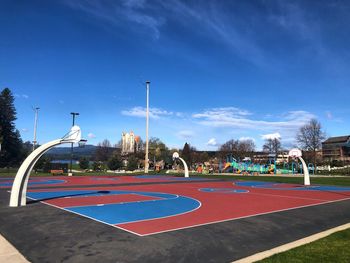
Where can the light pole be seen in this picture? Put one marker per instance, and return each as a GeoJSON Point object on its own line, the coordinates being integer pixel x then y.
{"type": "Point", "coordinates": [35, 126]}
{"type": "Point", "coordinates": [147, 115]}
{"type": "Point", "coordinates": [71, 148]}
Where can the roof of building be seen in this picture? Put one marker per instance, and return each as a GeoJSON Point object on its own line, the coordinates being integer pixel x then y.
{"type": "Point", "coordinates": [339, 139]}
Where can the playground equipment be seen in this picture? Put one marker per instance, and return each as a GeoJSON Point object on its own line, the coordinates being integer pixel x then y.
{"type": "Point", "coordinates": [239, 167]}
{"type": "Point", "coordinates": [287, 167]}
{"type": "Point", "coordinates": [296, 153]}
{"type": "Point", "coordinates": [176, 156]}
{"type": "Point", "coordinates": [19, 187]}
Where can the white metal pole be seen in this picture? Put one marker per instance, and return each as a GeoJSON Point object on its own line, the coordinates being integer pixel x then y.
{"type": "Point", "coordinates": [147, 124]}
{"type": "Point", "coordinates": [35, 126]}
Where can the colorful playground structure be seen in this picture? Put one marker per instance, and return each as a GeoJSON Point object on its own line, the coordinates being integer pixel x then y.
{"type": "Point", "coordinates": [233, 165]}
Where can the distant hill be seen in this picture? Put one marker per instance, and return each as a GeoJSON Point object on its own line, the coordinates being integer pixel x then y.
{"type": "Point", "coordinates": [64, 152]}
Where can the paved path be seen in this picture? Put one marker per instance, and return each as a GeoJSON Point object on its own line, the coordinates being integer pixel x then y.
{"type": "Point", "coordinates": [9, 253]}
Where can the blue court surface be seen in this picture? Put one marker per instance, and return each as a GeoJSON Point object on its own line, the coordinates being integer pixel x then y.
{"type": "Point", "coordinates": [32, 182]}
{"type": "Point", "coordinates": [163, 205]}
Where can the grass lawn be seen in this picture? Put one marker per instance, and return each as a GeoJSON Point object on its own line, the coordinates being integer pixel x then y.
{"type": "Point", "coordinates": [334, 248]}
{"type": "Point", "coordinates": [331, 180]}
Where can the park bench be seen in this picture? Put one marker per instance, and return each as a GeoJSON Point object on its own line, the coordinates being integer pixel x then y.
{"type": "Point", "coordinates": [56, 172]}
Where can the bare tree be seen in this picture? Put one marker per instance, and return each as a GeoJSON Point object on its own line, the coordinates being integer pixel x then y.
{"type": "Point", "coordinates": [239, 148]}
{"type": "Point", "coordinates": [272, 146]}
{"type": "Point", "coordinates": [246, 148]}
{"type": "Point", "coordinates": [103, 151]}
{"type": "Point", "coordinates": [310, 137]}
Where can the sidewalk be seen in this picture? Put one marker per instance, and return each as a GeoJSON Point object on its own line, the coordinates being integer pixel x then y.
{"type": "Point", "coordinates": [9, 253]}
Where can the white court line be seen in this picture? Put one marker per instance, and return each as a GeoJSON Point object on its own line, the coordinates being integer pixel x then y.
{"type": "Point", "coordinates": [291, 197]}
{"type": "Point", "coordinates": [242, 217]}
{"type": "Point", "coordinates": [94, 219]}
{"type": "Point", "coordinates": [286, 196]}
{"type": "Point", "coordinates": [121, 228]}
{"type": "Point", "coordinates": [120, 203]}
{"type": "Point", "coordinates": [155, 218]}
{"type": "Point", "coordinates": [322, 202]}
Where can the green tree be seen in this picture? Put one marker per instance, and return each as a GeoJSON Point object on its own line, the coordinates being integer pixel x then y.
{"type": "Point", "coordinates": [132, 163]}
{"type": "Point", "coordinates": [115, 162]}
{"type": "Point", "coordinates": [11, 153]}
{"type": "Point", "coordinates": [44, 164]}
{"type": "Point", "coordinates": [157, 149]}
{"type": "Point", "coordinates": [97, 166]}
{"type": "Point", "coordinates": [84, 163]}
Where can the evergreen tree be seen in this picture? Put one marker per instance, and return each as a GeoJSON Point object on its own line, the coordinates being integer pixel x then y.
{"type": "Point", "coordinates": [132, 163]}
{"type": "Point", "coordinates": [11, 153]}
{"type": "Point", "coordinates": [115, 162]}
{"type": "Point", "coordinates": [84, 163]}
{"type": "Point", "coordinates": [186, 154]}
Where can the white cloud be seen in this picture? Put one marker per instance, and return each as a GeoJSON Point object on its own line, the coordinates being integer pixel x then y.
{"type": "Point", "coordinates": [329, 115]}
{"type": "Point", "coordinates": [91, 135]}
{"type": "Point", "coordinates": [246, 138]}
{"type": "Point", "coordinates": [227, 122]}
{"type": "Point", "coordinates": [185, 134]}
{"type": "Point", "coordinates": [154, 113]}
{"type": "Point", "coordinates": [239, 118]}
{"type": "Point", "coordinates": [275, 135]}
{"type": "Point", "coordinates": [212, 142]}
{"type": "Point", "coordinates": [117, 13]}
{"type": "Point", "coordinates": [23, 96]}
{"type": "Point", "coordinates": [24, 130]}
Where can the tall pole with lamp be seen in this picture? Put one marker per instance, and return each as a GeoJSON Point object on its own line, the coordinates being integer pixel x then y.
{"type": "Point", "coordinates": [71, 148]}
{"type": "Point", "coordinates": [35, 126]}
{"type": "Point", "coordinates": [147, 123]}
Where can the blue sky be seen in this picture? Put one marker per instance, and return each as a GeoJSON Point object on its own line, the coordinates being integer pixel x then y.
{"type": "Point", "coordinates": [219, 70]}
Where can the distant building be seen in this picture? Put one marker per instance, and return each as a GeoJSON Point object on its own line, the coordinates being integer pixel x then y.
{"type": "Point", "coordinates": [336, 148]}
{"type": "Point", "coordinates": [265, 157]}
{"type": "Point", "coordinates": [130, 143]}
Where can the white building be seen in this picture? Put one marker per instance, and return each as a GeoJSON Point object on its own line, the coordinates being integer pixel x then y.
{"type": "Point", "coordinates": [130, 142]}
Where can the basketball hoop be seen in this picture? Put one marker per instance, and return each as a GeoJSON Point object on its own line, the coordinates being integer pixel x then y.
{"type": "Point", "coordinates": [82, 143]}
{"type": "Point", "coordinates": [295, 153]}
{"type": "Point", "coordinates": [176, 156]}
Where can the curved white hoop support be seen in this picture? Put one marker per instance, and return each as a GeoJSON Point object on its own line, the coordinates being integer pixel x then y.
{"type": "Point", "coordinates": [306, 172]}
{"type": "Point", "coordinates": [175, 157]}
{"type": "Point", "coordinates": [297, 153]}
{"type": "Point", "coordinates": [19, 187]}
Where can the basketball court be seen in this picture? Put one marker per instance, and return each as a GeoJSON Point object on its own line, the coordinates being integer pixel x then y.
{"type": "Point", "coordinates": [142, 207]}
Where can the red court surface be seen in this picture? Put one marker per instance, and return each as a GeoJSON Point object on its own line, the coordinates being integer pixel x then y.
{"type": "Point", "coordinates": [218, 202]}
{"type": "Point", "coordinates": [58, 181]}
{"type": "Point", "coordinates": [100, 200]}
